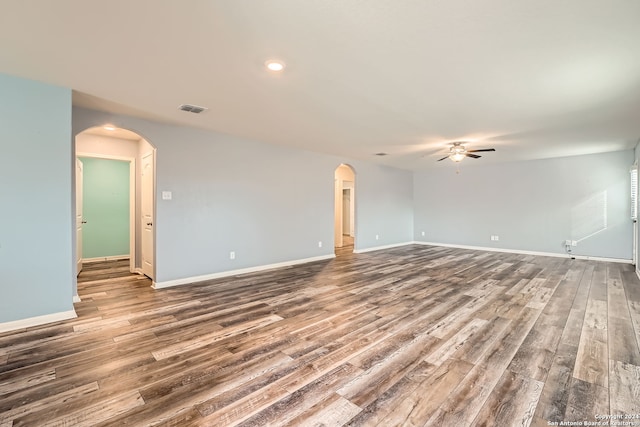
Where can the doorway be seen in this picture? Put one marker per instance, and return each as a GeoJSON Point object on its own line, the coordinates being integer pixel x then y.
{"type": "Point", "coordinates": [344, 219]}
{"type": "Point", "coordinates": [105, 198]}
{"type": "Point", "coordinates": [110, 143]}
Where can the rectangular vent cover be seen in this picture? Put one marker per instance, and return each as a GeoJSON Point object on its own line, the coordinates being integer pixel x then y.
{"type": "Point", "coordinates": [192, 108]}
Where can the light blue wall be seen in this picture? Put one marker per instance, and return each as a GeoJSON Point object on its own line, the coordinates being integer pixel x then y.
{"type": "Point", "coordinates": [533, 205]}
{"type": "Point", "coordinates": [36, 264]}
{"type": "Point", "coordinates": [267, 203]}
{"type": "Point", "coordinates": [105, 204]}
{"type": "Point", "coordinates": [384, 205]}
{"type": "Point", "coordinates": [270, 204]}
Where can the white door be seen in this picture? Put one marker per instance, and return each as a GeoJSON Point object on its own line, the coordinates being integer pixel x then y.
{"type": "Point", "coordinates": [79, 218]}
{"type": "Point", "coordinates": [337, 219]}
{"type": "Point", "coordinates": [352, 214]}
{"type": "Point", "coordinates": [147, 197]}
{"type": "Point", "coordinates": [346, 211]}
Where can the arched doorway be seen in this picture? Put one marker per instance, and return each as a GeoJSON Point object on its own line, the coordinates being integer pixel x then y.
{"type": "Point", "coordinates": [344, 218]}
{"type": "Point", "coordinates": [109, 149]}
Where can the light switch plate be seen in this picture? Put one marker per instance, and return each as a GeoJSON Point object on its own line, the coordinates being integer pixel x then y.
{"type": "Point", "coordinates": [166, 195]}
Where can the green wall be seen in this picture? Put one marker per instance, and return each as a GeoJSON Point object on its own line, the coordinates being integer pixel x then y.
{"type": "Point", "coordinates": [105, 207]}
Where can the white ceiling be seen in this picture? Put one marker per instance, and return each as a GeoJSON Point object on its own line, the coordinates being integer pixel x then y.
{"type": "Point", "coordinates": [534, 79]}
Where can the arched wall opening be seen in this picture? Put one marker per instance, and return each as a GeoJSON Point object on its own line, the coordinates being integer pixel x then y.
{"type": "Point", "coordinates": [109, 149]}
{"type": "Point", "coordinates": [345, 216]}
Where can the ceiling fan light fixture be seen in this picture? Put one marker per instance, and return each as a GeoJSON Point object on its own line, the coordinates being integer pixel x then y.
{"type": "Point", "coordinates": [457, 157]}
{"type": "Point", "coordinates": [457, 152]}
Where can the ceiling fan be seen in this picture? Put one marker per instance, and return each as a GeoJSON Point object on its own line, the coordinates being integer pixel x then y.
{"type": "Point", "coordinates": [457, 152]}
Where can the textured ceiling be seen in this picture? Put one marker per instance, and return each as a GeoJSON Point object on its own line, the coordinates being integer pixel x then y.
{"type": "Point", "coordinates": [533, 79]}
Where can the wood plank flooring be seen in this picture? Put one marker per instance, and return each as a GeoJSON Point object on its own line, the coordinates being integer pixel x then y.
{"type": "Point", "coordinates": [415, 336]}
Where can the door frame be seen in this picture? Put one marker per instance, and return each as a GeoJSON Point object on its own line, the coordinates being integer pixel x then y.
{"type": "Point", "coordinates": [79, 175]}
{"type": "Point", "coordinates": [635, 256]}
{"type": "Point", "coordinates": [132, 199]}
{"type": "Point", "coordinates": [338, 228]}
{"type": "Point", "coordinates": [153, 153]}
{"type": "Point", "coordinates": [350, 189]}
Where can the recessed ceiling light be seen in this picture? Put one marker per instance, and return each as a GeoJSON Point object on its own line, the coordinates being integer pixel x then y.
{"type": "Point", "coordinates": [109, 127]}
{"type": "Point", "coordinates": [273, 65]}
{"type": "Point", "coordinates": [381, 154]}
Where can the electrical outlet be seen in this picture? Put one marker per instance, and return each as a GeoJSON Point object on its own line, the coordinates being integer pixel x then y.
{"type": "Point", "coordinates": [232, 255]}
{"type": "Point", "coordinates": [423, 234]}
{"type": "Point", "coordinates": [320, 244]}
{"type": "Point", "coordinates": [377, 237]}
{"type": "Point", "coordinates": [497, 238]}
{"type": "Point", "coordinates": [574, 243]}
{"type": "Point", "coordinates": [567, 242]}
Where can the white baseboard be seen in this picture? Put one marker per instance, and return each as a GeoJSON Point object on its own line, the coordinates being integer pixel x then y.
{"type": "Point", "coordinates": [38, 320]}
{"type": "Point", "coordinates": [518, 251]}
{"type": "Point", "coordinates": [603, 259]}
{"type": "Point", "coordinates": [105, 258]}
{"type": "Point", "coordinates": [76, 298]}
{"type": "Point", "coordinates": [194, 279]}
{"type": "Point", "coordinates": [379, 248]}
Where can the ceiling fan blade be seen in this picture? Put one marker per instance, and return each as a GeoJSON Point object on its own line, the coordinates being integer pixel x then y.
{"type": "Point", "coordinates": [482, 149]}
{"type": "Point", "coordinates": [446, 157]}
{"type": "Point", "coordinates": [475, 156]}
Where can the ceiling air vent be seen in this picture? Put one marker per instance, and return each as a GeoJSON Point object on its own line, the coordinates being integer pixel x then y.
{"type": "Point", "coordinates": [192, 108]}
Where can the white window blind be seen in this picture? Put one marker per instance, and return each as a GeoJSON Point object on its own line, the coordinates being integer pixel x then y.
{"type": "Point", "coordinates": [634, 192]}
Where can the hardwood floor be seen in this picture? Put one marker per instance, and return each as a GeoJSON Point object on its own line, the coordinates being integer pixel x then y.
{"type": "Point", "coordinates": [417, 335]}
{"type": "Point", "coordinates": [347, 246]}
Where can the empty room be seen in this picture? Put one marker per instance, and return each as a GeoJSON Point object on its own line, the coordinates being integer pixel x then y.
{"type": "Point", "coordinates": [319, 213]}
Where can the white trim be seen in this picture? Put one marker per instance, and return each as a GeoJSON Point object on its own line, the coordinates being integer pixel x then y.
{"type": "Point", "coordinates": [228, 273]}
{"type": "Point", "coordinates": [154, 208]}
{"type": "Point", "coordinates": [194, 279]}
{"type": "Point", "coordinates": [379, 248]}
{"type": "Point", "coordinates": [132, 200]}
{"type": "Point", "coordinates": [38, 320]}
{"type": "Point", "coordinates": [132, 213]}
{"type": "Point", "coordinates": [76, 298]}
{"type": "Point", "coordinates": [634, 208]}
{"type": "Point", "coordinates": [105, 258]}
{"type": "Point", "coordinates": [104, 156]}
{"type": "Point", "coordinates": [518, 251]}
{"type": "Point", "coordinates": [638, 273]}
